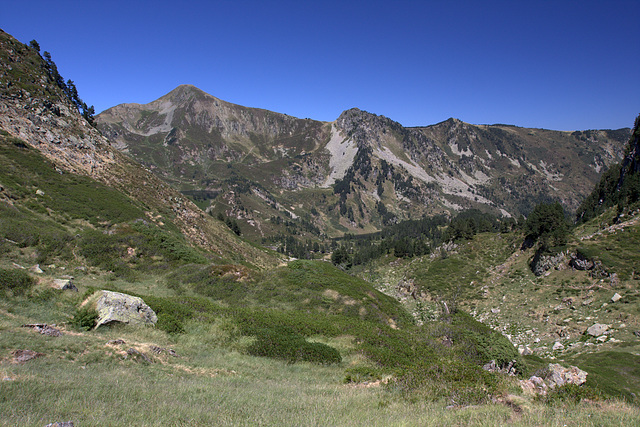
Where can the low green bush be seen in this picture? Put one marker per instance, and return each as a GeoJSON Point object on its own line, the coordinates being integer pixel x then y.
{"type": "Point", "coordinates": [85, 318]}
{"type": "Point", "coordinates": [570, 393]}
{"type": "Point", "coordinates": [169, 323]}
{"type": "Point", "coordinates": [360, 374]}
{"type": "Point", "coordinates": [280, 343]}
{"type": "Point", "coordinates": [483, 343]}
{"type": "Point", "coordinates": [459, 382]}
{"type": "Point", "coordinates": [17, 281]}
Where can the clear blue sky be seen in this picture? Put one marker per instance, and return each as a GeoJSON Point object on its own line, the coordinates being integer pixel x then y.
{"type": "Point", "coordinates": [563, 65]}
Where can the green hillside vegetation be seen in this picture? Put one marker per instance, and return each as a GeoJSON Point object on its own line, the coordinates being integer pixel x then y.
{"type": "Point", "coordinates": [619, 186]}
{"type": "Point", "coordinates": [222, 320]}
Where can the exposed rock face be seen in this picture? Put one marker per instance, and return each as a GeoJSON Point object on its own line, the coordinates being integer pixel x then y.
{"type": "Point", "coordinates": [579, 262]}
{"type": "Point", "coordinates": [44, 329]}
{"type": "Point", "coordinates": [543, 263]}
{"type": "Point", "coordinates": [123, 308]}
{"type": "Point", "coordinates": [559, 375]}
{"type": "Point", "coordinates": [508, 369]}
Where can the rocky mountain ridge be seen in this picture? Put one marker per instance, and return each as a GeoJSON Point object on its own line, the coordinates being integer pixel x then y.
{"type": "Point", "coordinates": [370, 170]}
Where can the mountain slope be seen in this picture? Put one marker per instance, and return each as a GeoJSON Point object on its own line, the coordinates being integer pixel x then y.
{"type": "Point", "coordinates": [356, 174]}
{"type": "Point", "coordinates": [35, 109]}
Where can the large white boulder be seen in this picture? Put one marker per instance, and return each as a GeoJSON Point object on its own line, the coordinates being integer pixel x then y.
{"type": "Point", "coordinates": [122, 308]}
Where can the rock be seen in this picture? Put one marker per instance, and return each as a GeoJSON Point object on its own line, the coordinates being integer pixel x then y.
{"type": "Point", "coordinates": [123, 308]}
{"type": "Point", "coordinates": [160, 350]}
{"type": "Point", "coordinates": [534, 385]}
{"type": "Point", "coordinates": [64, 284]}
{"type": "Point", "coordinates": [39, 192]}
{"type": "Point", "coordinates": [135, 355]}
{"type": "Point", "coordinates": [509, 368]}
{"type": "Point", "coordinates": [616, 297]}
{"type": "Point", "coordinates": [495, 310]}
{"type": "Point", "coordinates": [60, 424]}
{"type": "Point", "coordinates": [118, 341]}
{"type": "Point", "coordinates": [36, 269]}
{"type": "Point", "coordinates": [50, 331]}
{"type": "Point", "coordinates": [597, 329]}
{"type": "Point", "coordinates": [558, 346]}
{"type": "Point", "coordinates": [559, 375]}
{"type": "Point", "coordinates": [601, 338]}
{"type": "Point", "coordinates": [541, 264]}
{"type": "Point", "coordinates": [579, 262]}
{"type": "Point", "coordinates": [23, 356]}
{"type": "Point", "coordinates": [44, 329]}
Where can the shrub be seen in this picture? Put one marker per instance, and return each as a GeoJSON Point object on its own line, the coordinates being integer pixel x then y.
{"type": "Point", "coordinates": [169, 323]}
{"type": "Point", "coordinates": [16, 281]}
{"type": "Point", "coordinates": [85, 318]}
{"type": "Point", "coordinates": [279, 343]}
{"type": "Point", "coordinates": [570, 393]}
{"type": "Point", "coordinates": [359, 374]}
{"type": "Point", "coordinates": [459, 382]}
{"type": "Point", "coordinates": [483, 343]}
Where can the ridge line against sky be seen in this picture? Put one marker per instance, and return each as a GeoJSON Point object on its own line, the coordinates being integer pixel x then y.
{"type": "Point", "coordinates": [565, 65]}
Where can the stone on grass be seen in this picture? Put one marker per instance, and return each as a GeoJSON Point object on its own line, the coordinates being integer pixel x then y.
{"type": "Point", "coordinates": [36, 269]}
{"type": "Point", "coordinates": [64, 284]}
{"type": "Point", "coordinates": [558, 346]}
{"type": "Point", "coordinates": [616, 297]}
{"type": "Point", "coordinates": [23, 356]}
{"type": "Point", "coordinates": [116, 307]}
{"type": "Point", "coordinates": [559, 375]}
{"type": "Point", "coordinates": [597, 329]}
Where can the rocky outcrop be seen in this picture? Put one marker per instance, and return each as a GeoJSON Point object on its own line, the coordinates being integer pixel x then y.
{"type": "Point", "coordinates": [555, 376]}
{"type": "Point", "coordinates": [594, 266]}
{"type": "Point", "coordinates": [44, 329]}
{"type": "Point", "coordinates": [559, 375]}
{"type": "Point", "coordinates": [509, 369]}
{"type": "Point", "coordinates": [116, 307]}
{"type": "Point", "coordinates": [542, 263]}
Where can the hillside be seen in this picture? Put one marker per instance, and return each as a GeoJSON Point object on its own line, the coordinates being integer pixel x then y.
{"type": "Point", "coordinates": [356, 174]}
{"type": "Point", "coordinates": [35, 109]}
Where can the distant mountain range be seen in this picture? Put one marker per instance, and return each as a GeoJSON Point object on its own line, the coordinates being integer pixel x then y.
{"type": "Point", "coordinates": [356, 174]}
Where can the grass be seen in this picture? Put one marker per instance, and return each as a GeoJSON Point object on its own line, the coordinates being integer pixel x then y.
{"type": "Point", "coordinates": [93, 384]}
{"type": "Point", "coordinates": [24, 171]}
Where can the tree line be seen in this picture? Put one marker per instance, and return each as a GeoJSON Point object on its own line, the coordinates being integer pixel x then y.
{"type": "Point", "coordinates": [69, 88]}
